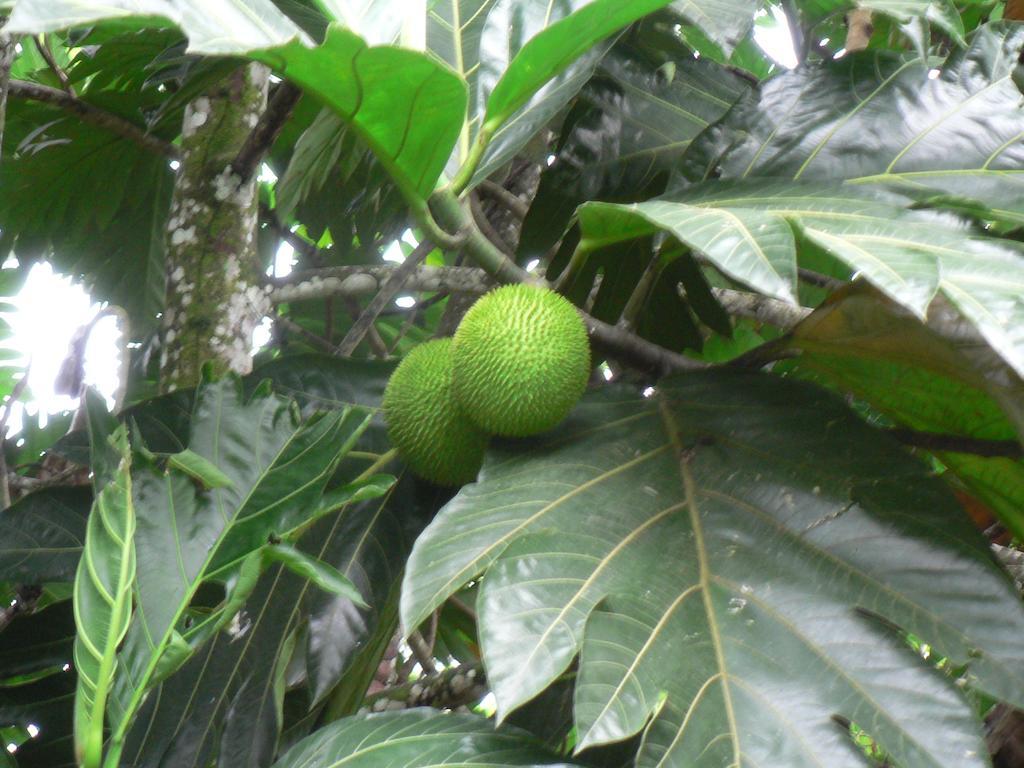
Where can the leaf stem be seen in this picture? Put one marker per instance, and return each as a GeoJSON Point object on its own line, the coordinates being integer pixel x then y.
{"type": "Point", "coordinates": [476, 153]}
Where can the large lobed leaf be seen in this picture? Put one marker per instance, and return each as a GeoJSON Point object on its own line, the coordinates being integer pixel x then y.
{"type": "Point", "coordinates": [745, 229]}
{"type": "Point", "coordinates": [730, 559]}
{"type": "Point", "coordinates": [876, 119]}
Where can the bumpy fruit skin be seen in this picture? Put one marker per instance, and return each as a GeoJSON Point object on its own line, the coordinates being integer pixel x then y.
{"type": "Point", "coordinates": [425, 423]}
{"type": "Point", "coordinates": [521, 360]}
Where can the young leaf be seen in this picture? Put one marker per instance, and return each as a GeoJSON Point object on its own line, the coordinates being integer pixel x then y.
{"type": "Point", "coordinates": [199, 468]}
{"type": "Point", "coordinates": [325, 576]}
{"type": "Point", "coordinates": [103, 597]}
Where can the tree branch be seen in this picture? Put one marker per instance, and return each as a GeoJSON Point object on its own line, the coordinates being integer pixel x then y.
{"type": "Point", "coordinates": [505, 197]}
{"type": "Point", "coordinates": [60, 74]}
{"type": "Point", "coordinates": [362, 280]}
{"type": "Point", "coordinates": [89, 113]}
{"type": "Point", "coordinates": [266, 131]}
{"type": "Point", "coordinates": [485, 225]}
{"type": "Point", "coordinates": [388, 290]}
{"type": "Point", "coordinates": [764, 309]}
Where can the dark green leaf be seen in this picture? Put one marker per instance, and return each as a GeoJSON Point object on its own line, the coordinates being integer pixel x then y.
{"type": "Point", "coordinates": [368, 542]}
{"type": "Point", "coordinates": [38, 644]}
{"type": "Point", "coordinates": [278, 469]}
{"type": "Point", "coordinates": [416, 738]}
{"type": "Point", "coordinates": [41, 535]}
{"type": "Point", "coordinates": [780, 543]}
{"type": "Point", "coordinates": [952, 135]}
{"type": "Point", "coordinates": [744, 229]}
{"type": "Point", "coordinates": [222, 701]}
{"type": "Point", "coordinates": [406, 106]}
{"type": "Point", "coordinates": [46, 704]}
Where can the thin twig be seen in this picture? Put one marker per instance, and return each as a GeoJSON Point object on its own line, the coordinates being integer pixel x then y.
{"type": "Point", "coordinates": [506, 197]}
{"type": "Point", "coordinates": [311, 338]}
{"type": "Point", "coordinates": [392, 285]}
{"type": "Point", "coordinates": [422, 651]}
{"type": "Point", "coordinates": [90, 113]}
{"type": "Point", "coordinates": [266, 130]}
{"type": "Point", "coordinates": [817, 279]}
{"type": "Point", "coordinates": [485, 225]}
{"type": "Point", "coordinates": [933, 441]}
{"type": "Point", "coordinates": [373, 337]}
{"type": "Point", "coordinates": [8, 47]}
{"type": "Point", "coordinates": [51, 62]}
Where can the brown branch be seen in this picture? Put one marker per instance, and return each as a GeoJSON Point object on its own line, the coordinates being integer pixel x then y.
{"type": "Point", "coordinates": [266, 131]}
{"type": "Point", "coordinates": [392, 285]}
{"type": "Point", "coordinates": [485, 225]}
{"type": "Point", "coordinates": [311, 338]}
{"type": "Point", "coordinates": [90, 113]}
{"type": "Point", "coordinates": [506, 197]}
{"type": "Point", "coordinates": [423, 652]}
{"type": "Point", "coordinates": [933, 441]}
{"type": "Point", "coordinates": [373, 337]}
{"type": "Point", "coordinates": [764, 309]}
{"type": "Point", "coordinates": [819, 280]}
{"type": "Point", "coordinates": [636, 351]}
{"type": "Point", "coordinates": [60, 74]}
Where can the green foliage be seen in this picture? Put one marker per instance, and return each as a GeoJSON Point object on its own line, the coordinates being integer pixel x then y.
{"type": "Point", "coordinates": [425, 421]}
{"type": "Point", "coordinates": [520, 360]}
{"type": "Point", "coordinates": [717, 568]}
{"type": "Point", "coordinates": [103, 583]}
{"type": "Point", "coordinates": [736, 495]}
{"type": "Point", "coordinates": [417, 737]}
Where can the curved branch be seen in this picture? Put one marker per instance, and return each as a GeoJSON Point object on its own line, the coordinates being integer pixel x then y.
{"type": "Point", "coordinates": [90, 113]}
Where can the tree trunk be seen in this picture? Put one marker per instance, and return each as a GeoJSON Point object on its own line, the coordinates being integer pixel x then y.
{"type": "Point", "coordinates": [214, 300]}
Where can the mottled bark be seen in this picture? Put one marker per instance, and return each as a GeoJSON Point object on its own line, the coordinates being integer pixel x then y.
{"type": "Point", "coordinates": [214, 297]}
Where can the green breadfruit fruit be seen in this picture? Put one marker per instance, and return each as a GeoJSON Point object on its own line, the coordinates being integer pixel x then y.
{"type": "Point", "coordinates": [521, 360]}
{"type": "Point", "coordinates": [425, 423]}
